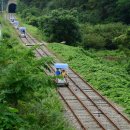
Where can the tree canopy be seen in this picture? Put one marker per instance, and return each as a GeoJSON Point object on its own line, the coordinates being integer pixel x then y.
{"type": "Point", "coordinates": [104, 10]}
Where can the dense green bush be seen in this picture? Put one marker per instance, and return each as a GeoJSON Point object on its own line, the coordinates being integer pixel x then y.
{"type": "Point", "coordinates": [102, 35]}
{"type": "Point", "coordinates": [24, 86]}
{"type": "Point", "coordinates": [30, 16]}
{"type": "Point", "coordinates": [34, 21]}
{"type": "Point", "coordinates": [120, 40]}
{"type": "Point", "coordinates": [123, 11]}
{"type": "Point", "coordinates": [123, 40]}
{"type": "Point", "coordinates": [17, 75]}
{"type": "Point", "coordinates": [93, 41]}
{"type": "Point", "coordinates": [60, 26]}
{"type": "Point", "coordinates": [128, 68]}
{"type": "Point", "coordinates": [110, 45]}
{"type": "Point", "coordinates": [28, 98]}
{"type": "Point", "coordinates": [6, 34]}
{"type": "Point", "coordinates": [93, 11]}
{"type": "Point", "coordinates": [9, 120]}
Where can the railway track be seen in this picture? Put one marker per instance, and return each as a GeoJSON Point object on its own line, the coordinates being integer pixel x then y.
{"type": "Point", "coordinates": [86, 108]}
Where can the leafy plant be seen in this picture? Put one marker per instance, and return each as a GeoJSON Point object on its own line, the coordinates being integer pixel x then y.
{"type": "Point", "coordinates": [60, 26]}
{"type": "Point", "coordinates": [123, 40]}
{"type": "Point", "coordinates": [28, 99]}
{"type": "Point", "coordinates": [101, 35]}
{"type": "Point", "coordinates": [9, 118]}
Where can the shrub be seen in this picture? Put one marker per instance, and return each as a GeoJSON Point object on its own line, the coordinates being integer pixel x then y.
{"type": "Point", "coordinates": [128, 68]}
{"type": "Point", "coordinates": [123, 40]}
{"type": "Point", "coordinates": [128, 32]}
{"type": "Point", "coordinates": [6, 34]}
{"type": "Point", "coordinates": [25, 13]}
{"type": "Point", "coordinates": [60, 26]}
{"type": "Point", "coordinates": [33, 21]}
{"type": "Point", "coordinates": [23, 85]}
{"type": "Point", "coordinates": [102, 35]}
{"type": "Point", "coordinates": [110, 45]}
{"type": "Point", "coordinates": [9, 120]}
{"type": "Point", "coordinates": [93, 41]}
{"type": "Point", "coordinates": [19, 75]}
{"type": "Point", "coordinates": [120, 40]}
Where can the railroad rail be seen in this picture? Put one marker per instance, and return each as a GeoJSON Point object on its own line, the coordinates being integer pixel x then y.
{"type": "Point", "coordinates": [87, 108]}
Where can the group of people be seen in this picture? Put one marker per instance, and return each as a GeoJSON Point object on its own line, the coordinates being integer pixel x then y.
{"type": "Point", "coordinates": [61, 72]}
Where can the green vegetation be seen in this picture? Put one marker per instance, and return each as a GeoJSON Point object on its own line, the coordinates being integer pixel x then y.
{"type": "Point", "coordinates": [101, 36]}
{"type": "Point", "coordinates": [28, 98]}
{"type": "Point", "coordinates": [103, 50]}
{"type": "Point", "coordinates": [60, 26]}
{"type": "Point", "coordinates": [90, 24]}
{"type": "Point", "coordinates": [34, 31]}
{"type": "Point", "coordinates": [105, 70]}
{"type": "Point", "coordinates": [86, 10]}
{"type": "Point", "coordinates": [123, 40]}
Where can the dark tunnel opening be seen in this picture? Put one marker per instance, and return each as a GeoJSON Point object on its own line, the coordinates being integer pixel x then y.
{"type": "Point", "coordinates": [12, 8]}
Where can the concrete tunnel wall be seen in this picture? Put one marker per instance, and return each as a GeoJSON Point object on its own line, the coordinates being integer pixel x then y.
{"type": "Point", "coordinates": [11, 6]}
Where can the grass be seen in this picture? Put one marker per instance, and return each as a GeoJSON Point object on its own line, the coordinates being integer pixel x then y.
{"type": "Point", "coordinates": [105, 70]}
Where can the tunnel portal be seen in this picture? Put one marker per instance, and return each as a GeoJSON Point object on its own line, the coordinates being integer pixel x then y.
{"type": "Point", "coordinates": [12, 8]}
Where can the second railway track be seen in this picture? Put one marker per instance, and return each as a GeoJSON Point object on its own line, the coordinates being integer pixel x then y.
{"type": "Point", "coordinates": [87, 108]}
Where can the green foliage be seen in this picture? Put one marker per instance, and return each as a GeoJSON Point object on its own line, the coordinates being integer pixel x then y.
{"type": "Point", "coordinates": [102, 35]}
{"type": "Point", "coordinates": [93, 41]}
{"type": "Point", "coordinates": [28, 99]}
{"type": "Point", "coordinates": [30, 16]}
{"type": "Point", "coordinates": [18, 75]}
{"type": "Point", "coordinates": [93, 11]}
{"type": "Point", "coordinates": [33, 21]}
{"type": "Point", "coordinates": [106, 70]}
{"type": "Point", "coordinates": [128, 69]}
{"type": "Point", "coordinates": [123, 40]}
{"type": "Point", "coordinates": [6, 34]}
{"type": "Point", "coordinates": [123, 6]}
{"type": "Point", "coordinates": [120, 40]}
{"type": "Point", "coordinates": [47, 111]}
{"type": "Point", "coordinates": [59, 21]}
{"type": "Point", "coordinates": [60, 26]}
{"type": "Point", "coordinates": [9, 118]}
{"type": "Point", "coordinates": [34, 31]}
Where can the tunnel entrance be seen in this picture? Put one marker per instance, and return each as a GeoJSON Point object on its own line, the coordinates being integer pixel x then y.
{"type": "Point", "coordinates": [12, 8]}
